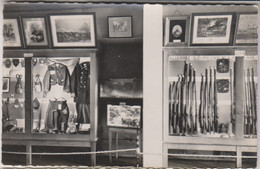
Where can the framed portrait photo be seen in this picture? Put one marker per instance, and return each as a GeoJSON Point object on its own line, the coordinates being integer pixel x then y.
{"type": "Point", "coordinates": [176, 31]}
{"type": "Point", "coordinates": [6, 85]}
{"type": "Point", "coordinates": [11, 34]}
{"type": "Point", "coordinates": [246, 29]}
{"type": "Point", "coordinates": [212, 29]}
{"type": "Point", "coordinates": [120, 26]}
{"type": "Point", "coordinates": [73, 30]}
{"type": "Point", "coordinates": [35, 32]}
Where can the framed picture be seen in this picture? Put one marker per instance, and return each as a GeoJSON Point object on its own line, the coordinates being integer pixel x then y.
{"type": "Point", "coordinates": [73, 30]}
{"type": "Point", "coordinates": [212, 29]}
{"type": "Point", "coordinates": [35, 32]}
{"type": "Point", "coordinates": [119, 26]}
{"type": "Point", "coordinates": [11, 34]}
{"type": "Point", "coordinates": [123, 116]}
{"type": "Point", "coordinates": [6, 85]}
{"type": "Point", "coordinates": [176, 30]}
{"type": "Point", "coordinates": [246, 29]}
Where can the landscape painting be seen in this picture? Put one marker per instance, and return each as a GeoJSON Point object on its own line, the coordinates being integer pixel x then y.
{"type": "Point", "coordinates": [73, 30]}
{"type": "Point", "coordinates": [11, 37]}
{"type": "Point", "coordinates": [211, 29]}
{"type": "Point", "coordinates": [123, 116]}
{"type": "Point", "coordinates": [247, 29]}
{"type": "Point", "coordinates": [215, 27]}
{"type": "Point", "coordinates": [120, 26]}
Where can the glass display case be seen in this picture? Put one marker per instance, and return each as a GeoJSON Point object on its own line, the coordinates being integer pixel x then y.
{"type": "Point", "coordinates": [13, 95]}
{"type": "Point", "coordinates": [61, 95]}
{"type": "Point", "coordinates": [201, 96]}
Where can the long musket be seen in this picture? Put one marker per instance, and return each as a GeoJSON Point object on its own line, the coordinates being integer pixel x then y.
{"type": "Point", "coordinates": [232, 115]}
{"type": "Point", "coordinates": [194, 103]}
{"type": "Point", "coordinates": [246, 108]}
{"type": "Point", "coordinates": [250, 105]}
{"type": "Point", "coordinates": [201, 110]}
{"type": "Point", "coordinates": [171, 93]}
{"type": "Point", "coordinates": [179, 105]}
{"type": "Point", "coordinates": [185, 98]}
{"type": "Point", "coordinates": [206, 100]}
{"type": "Point", "coordinates": [210, 98]}
{"type": "Point", "coordinates": [253, 102]}
{"type": "Point", "coordinates": [174, 108]}
{"type": "Point", "coordinates": [215, 102]}
{"type": "Point", "coordinates": [189, 100]}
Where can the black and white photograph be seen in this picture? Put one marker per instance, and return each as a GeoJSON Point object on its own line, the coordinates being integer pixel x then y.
{"type": "Point", "coordinates": [147, 84]}
{"type": "Point", "coordinates": [211, 28]}
{"type": "Point", "coordinates": [35, 31]}
{"type": "Point", "coordinates": [6, 84]}
{"type": "Point", "coordinates": [73, 30]}
{"type": "Point", "coordinates": [120, 26]}
{"type": "Point", "coordinates": [11, 36]}
{"type": "Point", "coordinates": [247, 27]}
{"type": "Point", "coordinates": [176, 30]}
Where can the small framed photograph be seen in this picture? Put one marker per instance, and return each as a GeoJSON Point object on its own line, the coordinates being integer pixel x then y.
{"type": "Point", "coordinates": [73, 30]}
{"type": "Point", "coordinates": [35, 31]}
{"type": "Point", "coordinates": [212, 29]}
{"type": "Point", "coordinates": [176, 31]}
{"type": "Point", "coordinates": [11, 34]}
{"type": "Point", "coordinates": [6, 85]}
{"type": "Point", "coordinates": [120, 26]}
{"type": "Point", "coordinates": [246, 29]}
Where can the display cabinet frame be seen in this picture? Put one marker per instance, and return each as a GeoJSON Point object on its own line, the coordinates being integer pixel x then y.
{"type": "Point", "coordinates": [30, 139]}
{"type": "Point", "coordinates": [238, 143]}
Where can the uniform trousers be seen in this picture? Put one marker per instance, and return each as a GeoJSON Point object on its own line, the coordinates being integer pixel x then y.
{"type": "Point", "coordinates": [57, 115]}
{"type": "Point", "coordinates": [83, 113]}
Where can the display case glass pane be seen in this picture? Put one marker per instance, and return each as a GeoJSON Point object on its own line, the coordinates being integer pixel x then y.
{"type": "Point", "coordinates": [201, 96]}
{"type": "Point", "coordinates": [13, 95]}
{"type": "Point", "coordinates": [61, 95]}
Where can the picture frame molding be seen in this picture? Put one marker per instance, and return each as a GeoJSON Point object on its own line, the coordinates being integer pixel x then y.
{"type": "Point", "coordinates": [131, 26]}
{"type": "Point", "coordinates": [93, 14]}
{"type": "Point", "coordinates": [232, 27]}
{"type": "Point", "coordinates": [47, 29]}
{"type": "Point", "coordinates": [167, 25]}
{"type": "Point", "coordinates": [236, 28]}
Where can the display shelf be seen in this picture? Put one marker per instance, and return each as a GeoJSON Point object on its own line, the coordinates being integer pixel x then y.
{"type": "Point", "coordinates": [60, 52]}
{"type": "Point", "coordinates": [110, 41]}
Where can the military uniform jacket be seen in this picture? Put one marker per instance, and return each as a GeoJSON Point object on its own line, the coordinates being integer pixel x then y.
{"type": "Point", "coordinates": [80, 83]}
{"type": "Point", "coordinates": [57, 74]}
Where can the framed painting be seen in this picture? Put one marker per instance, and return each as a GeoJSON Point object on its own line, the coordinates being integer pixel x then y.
{"type": "Point", "coordinates": [11, 34]}
{"type": "Point", "coordinates": [76, 30]}
{"type": "Point", "coordinates": [6, 85]}
{"type": "Point", "coordinates": [176, 31]}
{"type": "Point", "coordinates": [123, 116]}
{"type": "Point", "coordinates": [212, 29]}
{"type": "Point", "coordinates": [120, 26]}
{"type": "Point", "coordinates": [246, 29]}
{"type": "Point", "coordinates": [35, 32]}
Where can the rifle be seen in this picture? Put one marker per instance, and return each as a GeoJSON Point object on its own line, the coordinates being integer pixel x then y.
{"type": "Point", "coordinates": [215, 102]}
{"type": "Point", "coordinates": [201, 111]}
{"type": "Point", "coordinates": [246, 108]}
{"type": "Point", "coordinates": [189, 100]}
{"type": "Point", "coordinates": [179, 104]}
{"type": "Point", "coordinates": [170, 107]}
{"type": "Point", "coordinates": [249, 104]}
{"type": "Point", "coordinates": [185, 98]}
{"type": "Point", "coordinates": [174, 108]}
{"type": "Point", "coordinates": [210, 105]}
{"type": "Point", "coordinates": [253, 102]}
{"type": "Point", "coordinates": [194, 103]}
{"type": "Point", "coordinates": [206, 100]}
{"type": "Point", "coordinates": [232, 115]}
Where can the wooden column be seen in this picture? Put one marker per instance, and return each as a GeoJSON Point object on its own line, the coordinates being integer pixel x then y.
{"type": "Point", "coordinates": [239, 80]}
{"type": "Point", "coordinates": [28, 156]}
{"type": "Point", "coordinates": [28, 95]}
